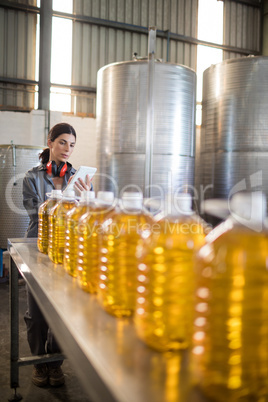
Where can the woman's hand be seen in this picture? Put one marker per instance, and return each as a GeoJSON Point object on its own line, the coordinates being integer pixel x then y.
{"type": "Point", "coordinates": [81, 185]}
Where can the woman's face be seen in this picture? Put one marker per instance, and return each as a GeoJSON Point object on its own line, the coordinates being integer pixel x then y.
{"type": "Point", "coordinates": [61, 148]}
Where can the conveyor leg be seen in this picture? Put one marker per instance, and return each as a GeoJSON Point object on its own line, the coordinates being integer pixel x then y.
{"type": "Point", "coordinates": [15, 397]}
{"type": "Point", "coordinates": [14, 326]}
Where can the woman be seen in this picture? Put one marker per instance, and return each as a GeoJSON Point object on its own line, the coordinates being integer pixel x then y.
{"type": "Point", "coordinates": [54, 172]}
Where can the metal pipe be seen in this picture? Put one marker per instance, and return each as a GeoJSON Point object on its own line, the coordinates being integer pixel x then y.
{"type": "Point", "coordinates": [14, 164]}
{"type": "Point", "coordinates": [168, 44]}
{"type": "Point", "coordinates": [265, 28]}
{"type": "Point", "coordinates": [150, 113]}
{"type": "Point", "coordinates": [45, 54]}
{"type": "Point", "coordinates": [17, 6]}
{"type": "Point", "coordinates": [26, 361]}
{"type": "Point", "coordinates": [13, 154]}
{"type": "Point", "coordinates": [14, 325]}
{"type": "Point", "coordinates": [21, 81]}
{"type": "Point", "coordinates": [251, 3]}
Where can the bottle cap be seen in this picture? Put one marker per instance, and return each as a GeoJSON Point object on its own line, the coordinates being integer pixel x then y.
{"type": "Point", "coordinates": [183, 201]}
{"type": "Point", "coordinates": [106, 196]}
{"type": "Point", "coordinates": [87, 195]}
{"type": "Point", "coordinates": [216, 207]}
{"type": "Point", "coordinates": [249, 209]}
{"type": "Point", "coordinates": [132, 200]}
{"type": "Point", "coordinates": [132, 194]}
{"type": "Point", "coordinates": [54, 194]}
{"type": "Point", "coordinates": [68, 194]}
{"type": "Point", "coordinates": [179, 204]}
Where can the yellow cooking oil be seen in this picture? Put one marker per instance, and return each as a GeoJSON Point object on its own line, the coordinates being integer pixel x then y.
{"type": "Point", "coordinates": [230, 340]}
{"type": "Point", "coordinates": [164, 306]}
{"type": "Point", "coordinates": [90, 240]}
{"type": "Point", "coordinates": [43, 213]}
{"type": "Point", "coordinates": [57, 226]}
{"type": "Point", "coordinates": [118, 270]}
{"type": "Point", "coordinates": [72, 231]}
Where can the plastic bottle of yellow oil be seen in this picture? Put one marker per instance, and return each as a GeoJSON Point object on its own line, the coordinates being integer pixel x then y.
{"type": "Point", "coordinates": [165, 289]}
{"type": "Point", "coordinates": [118, 271]}
{"type": "Point", "coordinates": [57, 226]}
{"type": "Point", "coordinates": [230, 340]}
{"type": "Point", "coordinates": [73, 232]}
{"type": "Point", "coordinates": [89, 242]}
{"type": "Point", "coordinates": [43, 213]}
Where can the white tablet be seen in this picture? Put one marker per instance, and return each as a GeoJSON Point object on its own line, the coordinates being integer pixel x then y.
{"type": "Point", "coordinates": [81, 172]}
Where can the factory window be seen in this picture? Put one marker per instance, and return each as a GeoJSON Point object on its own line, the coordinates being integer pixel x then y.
{"type": "Point", "coordinates": [61, 58]}
{"type": "Point", "coordinates": [210, 29]}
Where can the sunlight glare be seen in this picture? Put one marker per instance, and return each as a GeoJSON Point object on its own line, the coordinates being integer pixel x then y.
{"type": "Point", "coordinates": [210, 29]}
{"type": "Point", "coordinates": [61, 57]}
{"type": "Point", "coordinates": [61, 63]}
{"type": "Point", "coordinates": [210, 21]}
{"type": "Point", "coordinates": [65, 6]}
{"type": "Point", "coordinates": [206, 56]}
{"type": "Point", "coordinates": [60, 99]}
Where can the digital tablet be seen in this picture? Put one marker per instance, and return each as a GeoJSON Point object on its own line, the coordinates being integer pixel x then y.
{"type": "Point", "coordinates": [81, 172]}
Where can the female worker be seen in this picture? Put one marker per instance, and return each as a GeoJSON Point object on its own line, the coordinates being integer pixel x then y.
{"type": "Point", "coordinates": [54, 172]}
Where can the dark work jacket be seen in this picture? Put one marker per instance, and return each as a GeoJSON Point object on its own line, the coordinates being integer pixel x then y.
{"type": "Point", "coordinates": [36, 184]}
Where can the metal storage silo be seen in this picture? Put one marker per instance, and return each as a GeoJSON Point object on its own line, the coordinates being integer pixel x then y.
{"type": "Point", "coordinates": [122, 106]}
{"type": "Point", "coordinates": [15, 160]}
{"type": "Point", "coordinates": [234, 136]}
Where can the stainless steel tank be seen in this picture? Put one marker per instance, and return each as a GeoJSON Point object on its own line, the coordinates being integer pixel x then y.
{"type": "Point", "coordinates": [233, 154]}
{"type": "Point", "coordinates": [15, 160]}
{"type": "Point", "coordinates": [122, 106]}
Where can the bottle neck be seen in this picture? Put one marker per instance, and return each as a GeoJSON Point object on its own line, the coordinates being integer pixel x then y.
{"type": "Point", "coordinates": [132, 206]}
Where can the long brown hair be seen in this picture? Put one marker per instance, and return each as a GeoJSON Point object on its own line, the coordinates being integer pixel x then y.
{"type": "Point", "coordinates": [55, 132]}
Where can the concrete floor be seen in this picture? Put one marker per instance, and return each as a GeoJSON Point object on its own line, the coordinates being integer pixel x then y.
{"type": "Point", "coordinates": [71, 391]}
